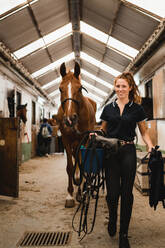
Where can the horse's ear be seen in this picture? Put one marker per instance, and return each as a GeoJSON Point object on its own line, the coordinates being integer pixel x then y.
{"type": "Point", "coordinates": [63, 70]}
{"type": "Point", "coordinates": [26, 105]}
{"type": "Point", "coordinates": [77, 70]}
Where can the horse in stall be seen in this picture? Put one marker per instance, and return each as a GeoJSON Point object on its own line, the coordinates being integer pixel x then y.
{"type": "Point", "coordinates": [75, 116]}
{"type": "Point", "coordinates": [21, 112]}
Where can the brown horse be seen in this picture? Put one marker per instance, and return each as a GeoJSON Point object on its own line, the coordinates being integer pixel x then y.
{"type": "Point", "coordinates": [52, 121]}
{"type": "Point", "coordinates": [76, 115]}
{"type": "Point", "coordinates": [21, 112]}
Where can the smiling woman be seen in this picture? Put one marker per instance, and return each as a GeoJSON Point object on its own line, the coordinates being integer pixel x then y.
{"type": "Point", "coordinates": [119, 121]}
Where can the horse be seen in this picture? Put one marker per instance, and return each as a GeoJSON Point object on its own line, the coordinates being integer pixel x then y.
{"type": "Point", "coordinates": [21, 112]}
{"type": "Point", "coordinates": [75, 116]}
{"type": "Point", "coordinates": [52, 121]}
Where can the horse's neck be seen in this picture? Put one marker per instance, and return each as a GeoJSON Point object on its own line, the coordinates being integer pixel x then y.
{"type": "Point", "coordinates": [86, 115]}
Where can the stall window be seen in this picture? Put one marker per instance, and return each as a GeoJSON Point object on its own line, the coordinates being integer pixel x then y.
{"type": "Point", "coordinates": [18, 98]}
{"type": "Point", "coordinates": [147, 101]}
{"type": "Point", "coordinates": [148, 89]}
{"type": "Point", "coordinates": [33, 113]}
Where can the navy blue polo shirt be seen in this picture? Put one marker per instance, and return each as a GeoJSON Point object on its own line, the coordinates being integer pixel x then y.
{"type": "Point", "coordinates": [122, 126]}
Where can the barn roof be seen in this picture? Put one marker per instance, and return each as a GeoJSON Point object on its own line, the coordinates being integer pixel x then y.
{"type": "Point", "coordinates": [106, 37]}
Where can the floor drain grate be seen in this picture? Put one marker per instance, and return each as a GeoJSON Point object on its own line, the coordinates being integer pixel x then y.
{"type": "Point", "coordinates": [39, 239]}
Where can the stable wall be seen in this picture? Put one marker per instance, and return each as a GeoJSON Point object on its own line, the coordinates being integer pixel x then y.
{"type": "Point", "coordinates": [43, 109]}
{"type": "Point", "coordinates": [154, 70]}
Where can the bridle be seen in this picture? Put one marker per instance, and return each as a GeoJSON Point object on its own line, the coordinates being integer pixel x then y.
{"type": "Point", "coordinates": [67, 99]}
{"type": "Point", "coordinates": [72, 99]}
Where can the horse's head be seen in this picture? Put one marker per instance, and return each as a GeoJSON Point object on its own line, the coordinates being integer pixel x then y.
{"type": "Point", "coordinates": [21, 112]}
{"type": "Point", "coordinates": [71, 95]}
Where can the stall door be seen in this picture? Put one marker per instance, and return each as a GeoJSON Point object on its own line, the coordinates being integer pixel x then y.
{"type": "Point", "coordinates": [9, 167]}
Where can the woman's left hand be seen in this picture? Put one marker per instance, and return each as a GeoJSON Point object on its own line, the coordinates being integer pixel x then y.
{"type": "Point", "coordinates": [150, 148]}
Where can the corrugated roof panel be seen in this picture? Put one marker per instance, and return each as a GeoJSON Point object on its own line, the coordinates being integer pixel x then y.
{"type": "Point", "coordinates": [18, 30]}
{"type": "Point", "coordinates": [51, 14]}
{"type": "Point", "coordinates": [116, 60]}
{"type": "Point", "coordinates": [89, 67]}
{"type": "Point", "coordinates": [53, 88]}
{"type": "Point", "coordinates": [39, 59]}
{"type": "Point", "coordinates": [94, 51]}
{"type": "Point", "coordinates": [36, 60]}
{"type": "Point", "coordinates": [52, 75]}
{"type": "Point", "coordinates": [60, 48]}
{"type": "Point", "coordinates": [92, 44]}
{"type": "Point", "coordinates": [94, 83]}
{"type": "Point", "coordinates": [133, 27]}
{"type": "Point", "coordinates": [96, 71]}
{"type": "Point", "coordinates": [106, 76]}
{"type": "Point", "coordinates": [99, 14]}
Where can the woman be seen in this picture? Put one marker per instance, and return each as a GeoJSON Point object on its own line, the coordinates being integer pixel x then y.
{"type": "Point", "coordinates": [119, 121]}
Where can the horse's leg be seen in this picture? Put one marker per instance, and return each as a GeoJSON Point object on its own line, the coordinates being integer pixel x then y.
{"type": "Point", "coordinates": [69, 199]}
{"type": "Point", "coordinates": [77, 174]}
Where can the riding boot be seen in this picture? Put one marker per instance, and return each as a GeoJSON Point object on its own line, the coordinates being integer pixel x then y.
{"type": "Point", "coordinates": [123, 241]}
{"type": "Point", "coordinates": [112, 207]}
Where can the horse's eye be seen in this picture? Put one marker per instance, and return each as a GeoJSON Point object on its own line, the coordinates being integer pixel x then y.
{"type": "Point", "coordinates": [60, 89]}
{"type": "Point", "coordinates": [80, 89]}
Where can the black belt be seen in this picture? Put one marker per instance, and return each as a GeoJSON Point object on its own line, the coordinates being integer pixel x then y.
{"type": "Point", "coordinates": [124, 142]}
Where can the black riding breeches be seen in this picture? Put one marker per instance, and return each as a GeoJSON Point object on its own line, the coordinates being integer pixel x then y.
{"type": "Point", "coordinates": [120, 172]}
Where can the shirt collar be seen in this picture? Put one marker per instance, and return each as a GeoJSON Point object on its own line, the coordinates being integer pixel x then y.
{"type": "Point", "coordinates": [114, 103]}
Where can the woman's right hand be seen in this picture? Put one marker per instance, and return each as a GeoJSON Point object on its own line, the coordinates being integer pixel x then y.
{"type": "Point", "coordinates": [91, 134]}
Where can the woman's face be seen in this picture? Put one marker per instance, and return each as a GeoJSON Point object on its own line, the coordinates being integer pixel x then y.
{"type": "Point", "coordinates": [122, 88]}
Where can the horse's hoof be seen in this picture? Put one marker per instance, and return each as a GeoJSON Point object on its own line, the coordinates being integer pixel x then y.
{"type": "Point", "coordinates": [70, 203]}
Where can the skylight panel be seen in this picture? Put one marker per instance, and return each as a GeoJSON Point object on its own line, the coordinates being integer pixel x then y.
{"type": "Point", "coordinates": [90, 59]}
{"type": "Point", "coordinates": [54, 93]}
{"type": "Point", "coordinates": [109, 69]}
{"type": "Point", "coordinates": [53, 37]}
{"type": "Point", "coordinates": [22, 52]}
{"type": "Point", "coordinates": [122, 47]}
{"type": "Point", "coordinates": [12, 7]}
{"type": "Point", "coordinates": [94, 97]}
{"type": "Point", "coordinates": [99, 80]}
{"type": "Point", "coordinates": [157, 7]}
{"type": "Point", "coordinates": [6, 5]}
{"type": "Point", "coordinates": [93, 32]}
{"type": "Point", "coordinates": [54, 82]}
{"type": "Point", "coordinates": [53, 65]}
{"type": "Point", "coordinates": [101, 92]}
{"type": "Point", "coordinates": [57, 34]}
{"type": "Point", "coordinates": [99, 64]}
{"type": "Point", "coordinates": [111, 42]}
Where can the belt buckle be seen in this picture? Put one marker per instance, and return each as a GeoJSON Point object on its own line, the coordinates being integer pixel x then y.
{"type": "Point", "coordinates": [122, 142]}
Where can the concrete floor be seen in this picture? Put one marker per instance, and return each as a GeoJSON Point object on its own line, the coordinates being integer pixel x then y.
{"type": "Point", "coordinates": [40, 207]}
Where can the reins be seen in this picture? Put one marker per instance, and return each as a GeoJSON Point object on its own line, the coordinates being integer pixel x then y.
{"type": "Point", "coordinates": [94, 179]}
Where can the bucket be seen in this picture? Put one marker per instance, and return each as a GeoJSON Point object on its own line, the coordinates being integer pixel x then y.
{"type": "Point", "coordinates": [86, 162]}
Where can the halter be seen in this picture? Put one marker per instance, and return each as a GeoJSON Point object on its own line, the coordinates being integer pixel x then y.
{"type": "Point", "coordinates": [67, 99]}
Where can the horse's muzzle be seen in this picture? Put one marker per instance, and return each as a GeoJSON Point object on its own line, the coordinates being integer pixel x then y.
{"type": "Point", "coordinates": [71, 121]}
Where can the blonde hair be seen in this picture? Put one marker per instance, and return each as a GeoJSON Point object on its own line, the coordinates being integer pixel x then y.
{"type": "Point", "coordinates": [134, 94]}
